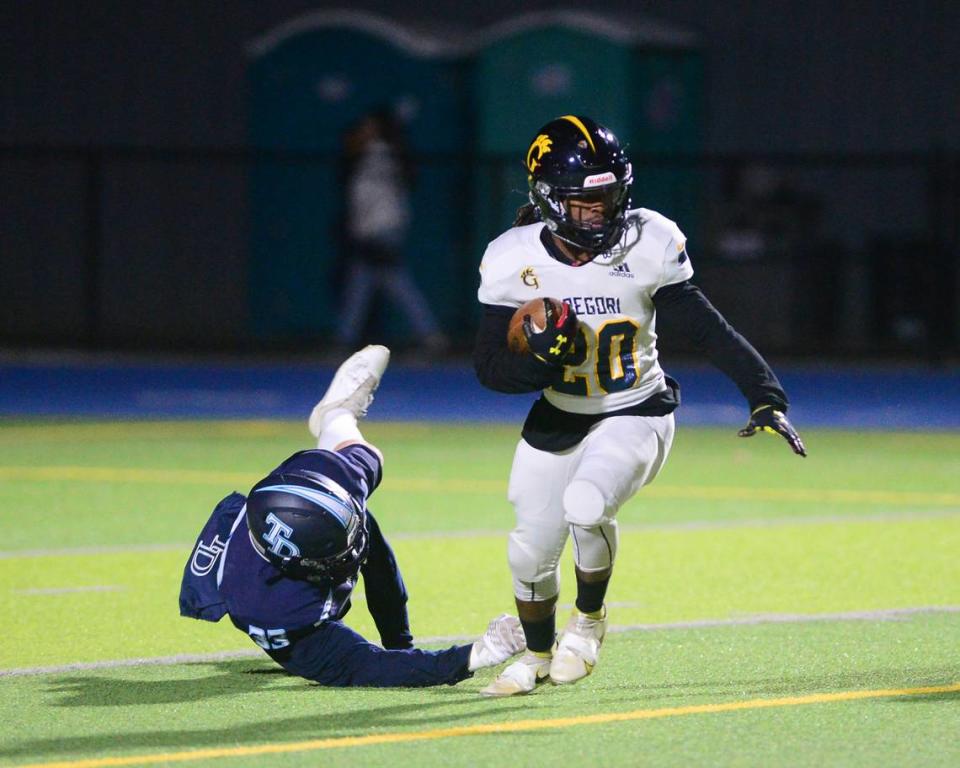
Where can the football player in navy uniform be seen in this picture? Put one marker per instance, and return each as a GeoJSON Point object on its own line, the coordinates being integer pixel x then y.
{"type": "Point", "coordinates": [283, 561]}
{"type": "Point", "coordinates": [603, 425]}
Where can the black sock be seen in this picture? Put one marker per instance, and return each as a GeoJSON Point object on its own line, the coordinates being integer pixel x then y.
{"type": "Point", "coordinates": [541, 633]}
{"type": "Point", "coordinates": [590, 594]}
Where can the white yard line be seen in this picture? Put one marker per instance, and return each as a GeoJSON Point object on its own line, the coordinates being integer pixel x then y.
{"type": "Point", "coordinates": [121, 549]}
{"type": "Point", "coordinates": [891, 614]}
{"type": "Point", "coordinates": [68, 590]}
{"type": "Point", "coordinates": [685, 525]}
{"type": "Point", "coordinates": [186, 658]}
{"type": "Point", "coordinates": [780, 522]}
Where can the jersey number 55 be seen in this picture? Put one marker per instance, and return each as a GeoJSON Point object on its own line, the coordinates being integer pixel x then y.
{"type": "Point", "coordinates": [268, 639]}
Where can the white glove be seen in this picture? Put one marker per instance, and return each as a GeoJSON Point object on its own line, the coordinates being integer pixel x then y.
{"type": "Point", "coordinates": [504, 638]}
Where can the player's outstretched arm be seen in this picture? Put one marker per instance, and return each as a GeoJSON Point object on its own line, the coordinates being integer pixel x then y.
{"type": "Point", "coordinates": [766, 418]}
{"type": "Point", "coordinates": [682, 309]}
{"type": "Point", "coordinates": [336, 655]}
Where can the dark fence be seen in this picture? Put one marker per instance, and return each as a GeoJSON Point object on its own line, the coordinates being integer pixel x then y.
{"type": "Point", "coordinates": [149, 249]}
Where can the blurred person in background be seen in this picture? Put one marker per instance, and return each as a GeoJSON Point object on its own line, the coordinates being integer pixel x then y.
{"type": "Point", "coordinates": [377, 175]}
{"type": "Point", "coordinates": [603, 425]}
{"type": "Point", "coordinates": [283, 561]}
{"type": "Point", "coordinates": [763, 215]}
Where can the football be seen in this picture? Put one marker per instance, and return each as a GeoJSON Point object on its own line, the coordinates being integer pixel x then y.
{"type": "Point", "coordinates": [536, 308]}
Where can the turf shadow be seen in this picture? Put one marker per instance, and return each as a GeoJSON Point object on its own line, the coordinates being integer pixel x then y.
{"type": "Point", "coordinates": [339, 713]}
{"type": "Point", "coordinates": [952, 697]}
{"type": "Point", "coordinates": [228, 678]}
{"type": "Point", "coordinates": [110, 692]}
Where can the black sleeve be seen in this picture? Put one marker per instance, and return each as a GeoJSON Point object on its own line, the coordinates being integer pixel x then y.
{"type": "Point", "coordinates": [500, 369]}
{"type": "Point", "coordinates": [683, 311]}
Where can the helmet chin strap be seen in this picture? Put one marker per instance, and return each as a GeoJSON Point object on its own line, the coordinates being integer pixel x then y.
{"type": "Point", "coordinates": [594, 254]}
{"type": "Point", "coordinates": [559, 248]}
{"type": "Point", "coordinates": [578, 249]}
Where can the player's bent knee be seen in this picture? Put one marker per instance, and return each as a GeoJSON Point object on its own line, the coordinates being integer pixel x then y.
{"type": "Point", "coordinates": [537, 591]}
{"type": "Point", "coordinates": [596, 547]}
{"type": "Point", "coordinates": [584, 505]}
{"type": "Point", "coordinates": [529, 563]}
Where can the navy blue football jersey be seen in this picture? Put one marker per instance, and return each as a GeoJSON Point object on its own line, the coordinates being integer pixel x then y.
{"type": "Point", "coordinates": [239, 581]}
{"type": "Point", "coordinates": [298, 622]}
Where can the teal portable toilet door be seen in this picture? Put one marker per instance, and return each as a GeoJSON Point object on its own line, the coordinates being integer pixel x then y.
{"type": "Point", "coordinates": [310, 79]}
{"type": "Point", "coordinates": [536, 67]}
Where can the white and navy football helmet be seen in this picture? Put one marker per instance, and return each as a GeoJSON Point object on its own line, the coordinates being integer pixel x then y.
{"type": "Point", "coordinates": [308, 526]}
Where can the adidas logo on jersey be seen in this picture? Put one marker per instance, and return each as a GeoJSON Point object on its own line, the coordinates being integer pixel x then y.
{"type": "Point", "coordinates": [621, 270]}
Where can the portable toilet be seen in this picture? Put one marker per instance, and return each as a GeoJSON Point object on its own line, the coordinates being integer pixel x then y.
{"type": "Point", "coordinates": [310, 78]}
{"type": "Point", "coordinates": [641, 79]}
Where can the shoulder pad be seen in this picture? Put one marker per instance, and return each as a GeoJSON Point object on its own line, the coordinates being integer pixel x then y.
{"type": "Point", "coordinates": [499, 266]}
{"type": "Point", "coordinates": [659, 227]}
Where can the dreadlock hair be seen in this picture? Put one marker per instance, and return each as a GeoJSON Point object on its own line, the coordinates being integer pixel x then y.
{"type": "Point", "coordinates": [526, 214]}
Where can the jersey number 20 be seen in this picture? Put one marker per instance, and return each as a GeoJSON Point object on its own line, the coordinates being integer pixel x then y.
{"type": "Point", "coordinates": [612, 350]}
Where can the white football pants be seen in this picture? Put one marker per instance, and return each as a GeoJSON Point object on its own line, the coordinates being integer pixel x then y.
{"type": "Point", "coordinates": [578, 492]}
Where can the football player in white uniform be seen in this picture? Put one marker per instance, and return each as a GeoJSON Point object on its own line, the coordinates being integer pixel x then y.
{"type": "Point", "coordinates": [603, 426]}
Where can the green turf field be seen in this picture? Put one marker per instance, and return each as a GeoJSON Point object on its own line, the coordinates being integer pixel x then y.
{"type": "Point", "coordinates": [766, 610]}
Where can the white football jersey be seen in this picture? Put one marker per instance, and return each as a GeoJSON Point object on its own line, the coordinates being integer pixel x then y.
{"type": "Point", "coordinates": [614, 364]}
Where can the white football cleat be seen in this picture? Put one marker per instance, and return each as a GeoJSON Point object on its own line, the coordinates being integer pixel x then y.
{"type": "Point", "coordinates": [353, 385]}
{"type": "Point", "coordinates": [525, 674]}
{"type": "Point", "coordinates": [504, 638]}
{"type": "Point", "coordinates": [579, 646]}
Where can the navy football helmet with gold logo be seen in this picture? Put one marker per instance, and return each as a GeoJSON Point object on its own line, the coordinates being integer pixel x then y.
{"type": "Point", "coordinates": [576, 158]}
{"type": "Point", "coordinates": [308, 526]}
